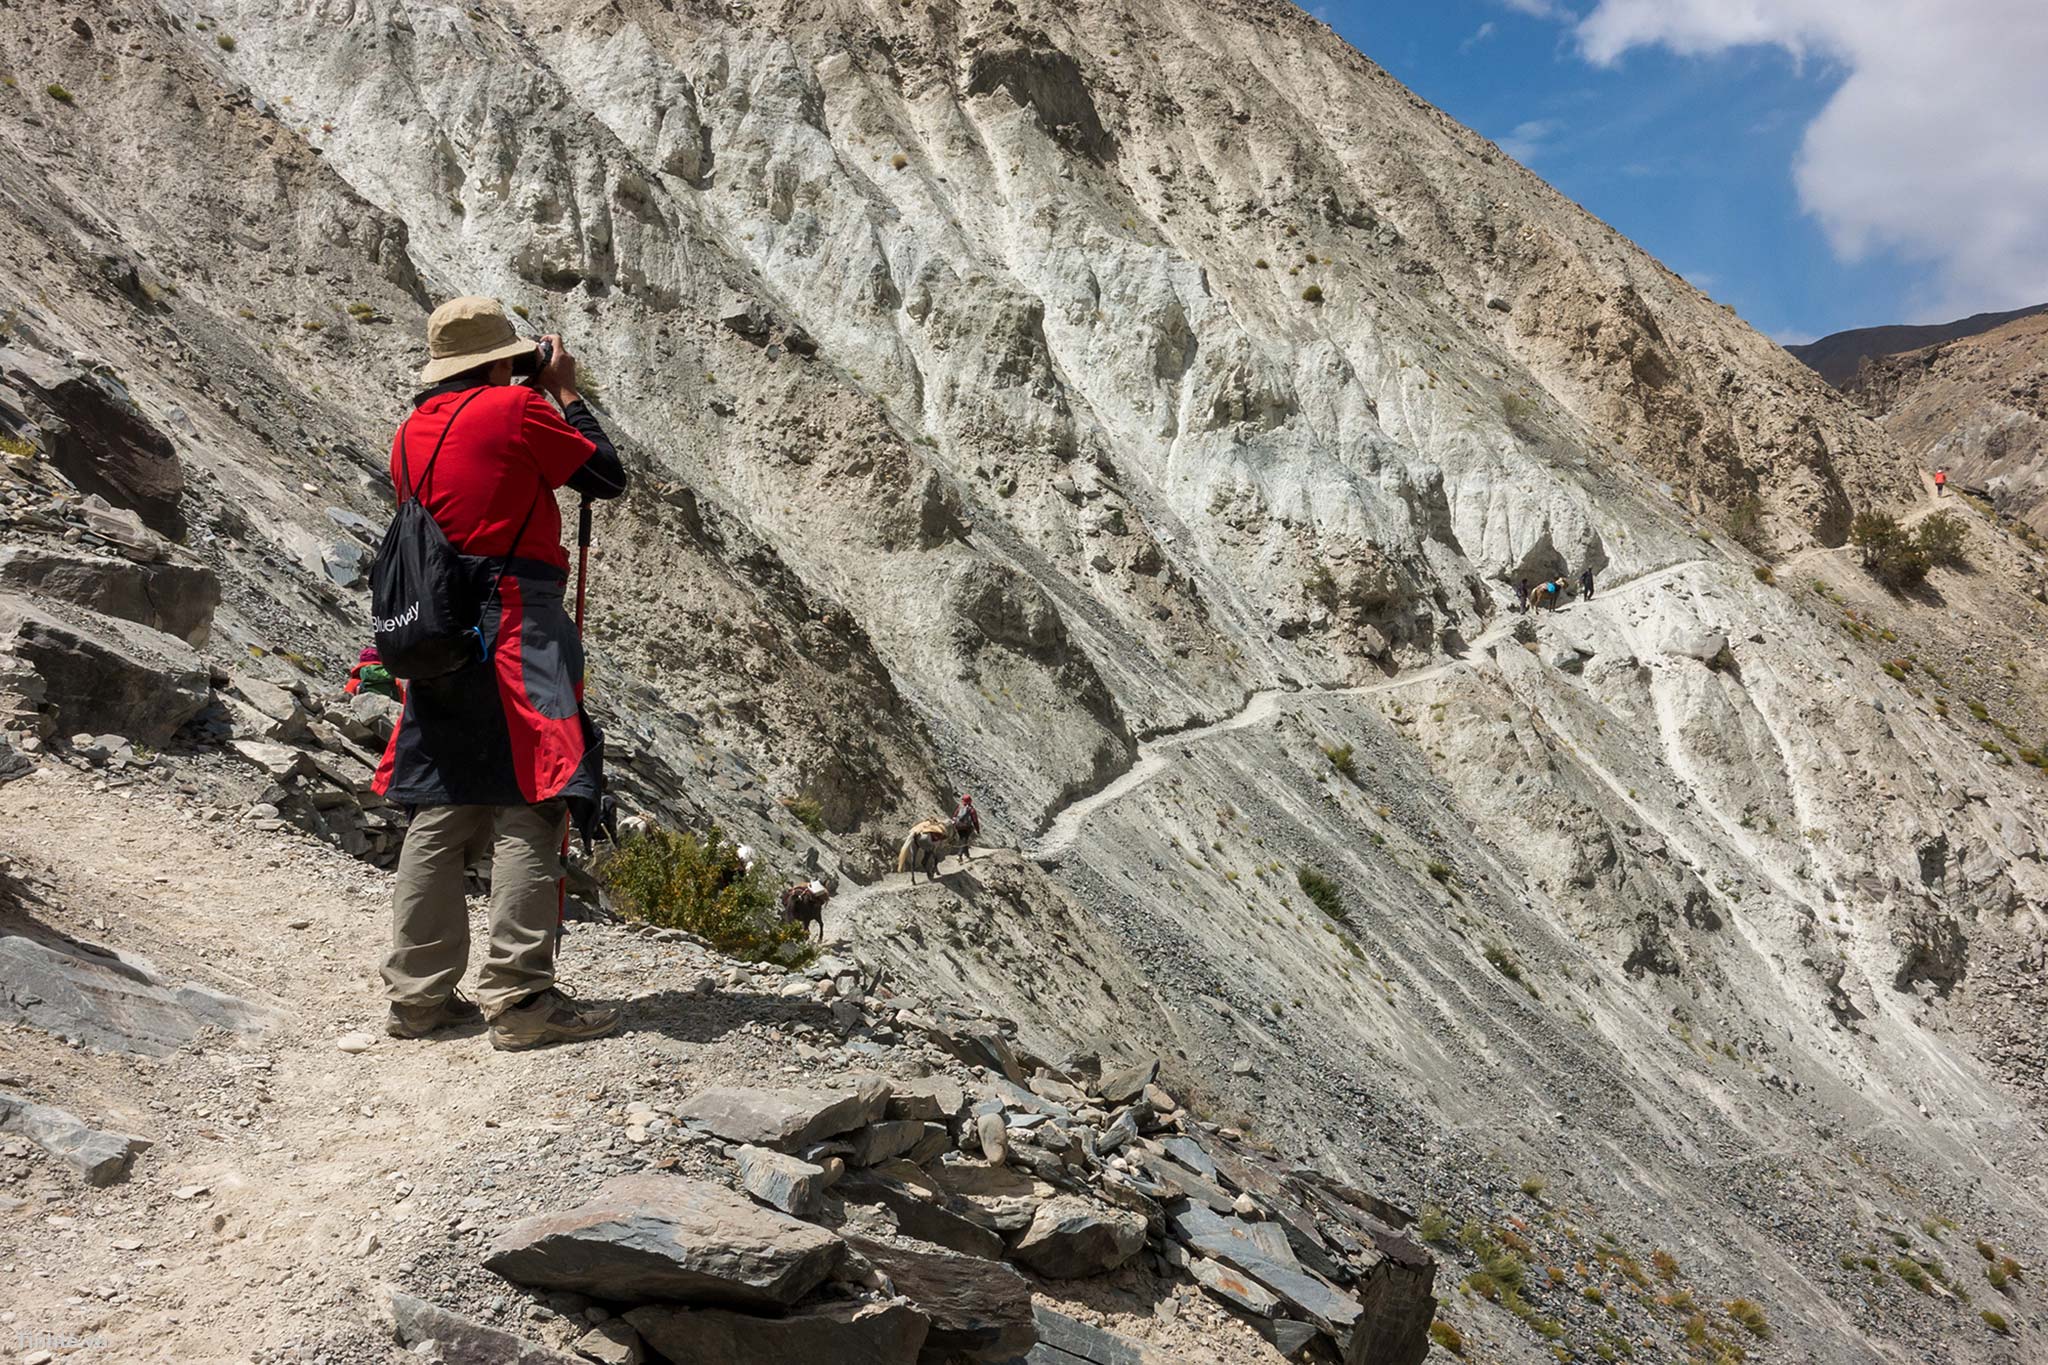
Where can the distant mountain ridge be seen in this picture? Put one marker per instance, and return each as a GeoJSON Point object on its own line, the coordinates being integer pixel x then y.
{"type": "Point", "coordinates": [1837, 356]}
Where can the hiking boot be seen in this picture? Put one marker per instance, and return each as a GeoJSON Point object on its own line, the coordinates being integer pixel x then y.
{"type": "Point", "coordinates": [417, 1021]}
{"type": "Point", "coordinates": [550, 1017]}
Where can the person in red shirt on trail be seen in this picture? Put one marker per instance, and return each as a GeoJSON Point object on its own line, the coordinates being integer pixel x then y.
{"type": "Point", "coordinates": [499, 752]}
{"type": "Point", "coordinates": [1941, 482]}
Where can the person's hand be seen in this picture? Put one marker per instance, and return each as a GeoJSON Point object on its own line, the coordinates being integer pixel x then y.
{"type": "Point", "coordinates": [558, 380]}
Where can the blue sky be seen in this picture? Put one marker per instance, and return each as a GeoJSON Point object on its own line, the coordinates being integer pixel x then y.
{"type": "Point", "coordinates": [1689, 144]}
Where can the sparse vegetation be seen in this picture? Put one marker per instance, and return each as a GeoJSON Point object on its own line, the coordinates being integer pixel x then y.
{"type": "Point", "coordinates": [1996, 1322]}
{"type": "Point", "coordinates": [1665, 1264]}
{"type": "Point", "coordinates": [225, 41]}
{"type": "Point", "coordinates": [15, 446]}
{"type": "Point", "coordinates": [1312, 294]}
{"type": "Point", "coordinates": [1913, 1273]}
{"type": "Point", "coordinates": [899, 161]}
{"type": "Point", "coordinates": [1434, 1225]}
{"type": "Point", "coordinates": [59, 93]}
{"type": "Point", "coordinates": [1321, 587]}
{"type": "Point", "coordinates": [1765, 574]}
{"type": "Point", "coordinates": [1448, 1337]}
{"type": "Point", "coordinates": [1894, 558]}
{"type": "Point", "coordinates": [807, 811]}
{"type": "Point", "coordinates": [1534, 1185]}
{"type": "Point", "coordinates": [1751, 1315]}
{"type": "Point", "coordinates": [1941, 536]}
{"type": "Point", "coordinates": [1440, 871]}
{"type": "Point", "coordinates": [678, 882]}
{"type": "Point", "coordinates": [1322, 891]}
{"type": "Point", "coordinates": [1341, 759]}
{"type": "Point", "coordinates": [1746, 524]}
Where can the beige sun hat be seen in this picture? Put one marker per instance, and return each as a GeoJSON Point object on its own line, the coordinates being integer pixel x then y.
{"type": "Point", "coordinates": [467, 332]}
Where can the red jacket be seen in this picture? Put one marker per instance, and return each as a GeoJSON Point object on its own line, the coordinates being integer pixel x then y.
{"type": "Point", "coordinates": [502, 460]}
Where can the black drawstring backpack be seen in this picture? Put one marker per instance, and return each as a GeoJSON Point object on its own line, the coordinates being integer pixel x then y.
{"type": "Point", "coordinates": [424, 604]}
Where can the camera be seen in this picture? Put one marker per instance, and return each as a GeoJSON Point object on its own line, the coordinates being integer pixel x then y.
{"type": "Point", "coordinates": [530, 365]}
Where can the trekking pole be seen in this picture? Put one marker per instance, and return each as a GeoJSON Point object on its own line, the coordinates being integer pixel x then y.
{"type": "Point", "coordinates": [582, 584]}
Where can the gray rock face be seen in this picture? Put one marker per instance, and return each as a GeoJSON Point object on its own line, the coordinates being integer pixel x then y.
{"type": "Point", "coordinates": [1125, 1086]}
{"type": "Point", "coordinates": [111, 1000]}
{"type": "Point", "coordinates": [101, 1158]}
{"type": "Point", "coordinates": [430, 1331]}
{"type": "Point", "coordinates": [107, 674]}
{"type": "Point", "coordinates": [1260, 1251]}
{"type": "Point", "coordinates": [175, 598]}
{"type": "Point", "coordinates": [929, 1215]}
{"type": "Point", "coordinates": [101, 440]}
{"type": "Point", "coordinates": [884, 1141]}
{"type": "Point", "coordinates": [1234, 1286]}
{"type": "Point", "coordinates": [979, 1310]}
{"type": "Point", "coordinates": [891, 1333]}
{"type": "Point", "coordinates": [788, 1183]}
{"type": "Point", "coordinates": [1070, 1238]}
{"type": "Point", "coordinates": [653, 1237]}
{"type": "Point", "coordinates": [786, 1120]}
{"type": "Point", "coordinates": [1062, 1339]}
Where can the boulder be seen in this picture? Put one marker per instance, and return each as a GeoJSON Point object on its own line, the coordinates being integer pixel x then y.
{"type": "Point", "coordinates": [1126, 1086]}
{"type": "Point", "coordinates": [101, 441]}
{"type": "Point", "coordinates": [431, 1332]}
{"type": "Point", "coordinates": [1397, 1301]}
{"type": "Point", "coordinates": [787, 1120]}
{"type": "Point", "coordinates": [664, 1237]}
{"type": "Point", "coordinates": [788, 1183]}
{"type": "Point", "coordinates": [884, 1141]}
{"type": "Point", "coordinates": [890, 1333]}
{"type": "Point", "coordinates": [124, 531]}
{"type": "Point", "coordinates": [937, 1139]}
{"type": "Point", "coordinates": [979, 1310]}
{"type": "Point", "coordinates": [1070, 1239]}
{"type": "Point", "coordinates": [1708, 646]}
{"type": "Point", "coordinates": [612, 1342]}
{"type": "Point", "coordinates": [111, 1000]}
{"type": "Point", "coordinates": [104, 673]}
{"type": "Point", "coordinates": [1260, 1250]}
{"type": "Point", "coordinates": [280, 761]}
{"type": "Point", "coordinates": [101, 1158]}
{"type": "Point", "coordinates": [931, 1099]}
{"type": "Point", "coordinates": [177, 599]}
{"type": "Point", "coordinates": [995, 1140]}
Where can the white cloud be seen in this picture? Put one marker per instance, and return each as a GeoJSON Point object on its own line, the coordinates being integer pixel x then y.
{"type": "Point", "coordinates": [1542, 9]}
{"type": "Point", "coordinates": [1932, 147]}
{"type": "Point", "coordinates": [1479, 35]}
{"type": "Point", "coordinates": [1529, 139]}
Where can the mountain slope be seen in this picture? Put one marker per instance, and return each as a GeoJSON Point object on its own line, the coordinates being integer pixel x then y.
{"type": "Point", "coordinates": [1978, 405]}
{"type": "Point", "coordinates": [1013, 387]}
{"type": "Point", "coordinates": [1838, 356]}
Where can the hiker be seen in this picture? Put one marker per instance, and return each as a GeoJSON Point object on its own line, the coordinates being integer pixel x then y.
{"type": "Point", "coordinates": [1522, 594]}
{"type": "Point", "coordinates": [370, 674]}
{"type": "Point", "coordinates": [1941, 482]}
{"type": "Point", "coordinates": [966, 824]}
{"type": "Point", "coordinates": [1586, 583]}
{"type": "Point", "coordinates": [498, 752]}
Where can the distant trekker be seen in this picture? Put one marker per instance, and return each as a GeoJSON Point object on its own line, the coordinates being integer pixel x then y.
{"type": "Point", "coordinates": [1521, 594]}
{"type": "Point", "coordinates": [498, 752]}
{"type": "Point", "coordinates": [1941, 482]}
{"type": "Point", "coordinates": [1586, 582]}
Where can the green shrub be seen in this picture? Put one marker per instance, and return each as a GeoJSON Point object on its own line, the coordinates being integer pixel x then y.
{"type": "Point", "coordinates": [1913, 1273]}
{"type": "Point", "coordinates": [899, 161]}
{"type": "Point", "coordinates": [1765, 574]}
{"type": "Point", "coordinates": [1665, 1264]}
{"type": "Point", "coordinates": [226, 42]}
{"type": "Point", "coordinates": [1312, 294]}
{"type": "Point", "coordinates": [1449, 1337]}
{"type": "Point", "coordinates": [1502, 963]}
{"type": "Point", "coordinates": [521, 311]}
{"type": "Point", "coordinates": [1321, 587]}
{"type": "Point", "coordinates": [58, 93]}
{"type": "Point", "coordinates": [1941, 537]}
{"type": "Point", "coordinates": [1746, 524]}
{"type": "Point", "coordinates": [675, 881]}
{"type": "Point", "coordinates": [1340, 759]}
{"type": "Point", "coordinates": [1892, 557]}
{"type": "Point", "coordinates": [1434, 1225]}
{"type": "Point", "coordinates": [1996, 1322]}
{"type": "Point", "coordinates": [1440, 871]}
{"type": "Point", "coordinates": [1322, 891]}
{"type": "Point", "coordinates": [15, 445]}
{"type": "Point", "coordinates": [1534, 1186]}
{"type": "Point", "coordinates": [1751, 1315]}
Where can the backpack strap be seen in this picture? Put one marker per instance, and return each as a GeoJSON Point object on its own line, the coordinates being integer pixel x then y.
{"type": "Point", "coordinates": [427, 474]}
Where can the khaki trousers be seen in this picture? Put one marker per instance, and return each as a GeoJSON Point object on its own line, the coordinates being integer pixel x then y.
{"type": "Point", "coordinates": [430, 923]}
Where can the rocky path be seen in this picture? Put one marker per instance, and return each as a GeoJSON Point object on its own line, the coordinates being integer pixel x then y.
{"type": "Point", "coordinates": [1158, 754]}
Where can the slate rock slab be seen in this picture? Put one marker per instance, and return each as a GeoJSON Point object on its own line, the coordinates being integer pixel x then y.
{"type": "Point", "coordinates": [101, 1158]}
{"type": "Point", "coordinates": [1081, 1341]}
{"type": "Point", "coordinates": [104, 673]}
{"type": "Point", "coordinates": [660, 1237]}
{"type": "Point", "coordinates": [979, 1310]}
{"type": "Point", "coordinates": [787, 1120]}
{"type": "Point", "coordinates": [110, 999]}
{"type": "Point", "coordinates": [786, 1182]}
{"type": "Point", "coordinates": [934, 1217]}
{"type": "Point", "coordinates": [1070, 1238]}
{"type": "Point", "coordinates": [432, 1332]}
{"type": "Point", "coordinates": [1261, 1252]}
{"type": "Point", "coordinates": [891, 1333]}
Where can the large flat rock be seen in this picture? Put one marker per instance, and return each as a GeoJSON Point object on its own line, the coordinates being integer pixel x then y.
{"type": "Point", "coordinates": [660, 1237]}
{"type": "Point", "coordinates": [891, 1333]}
{"type": "Point", "coordinates": [1260, 1251]}
{"type": "Point", "coordinates": [431, 1332]}
{"type": "Point", "coordinates": [786, 1120]}
{"type": "Point", "coordinates": [109, 999]}
{"type": "Point", "coordinates": [101, 1158]}
{"type": "Point", "coordinates": [175, 598]}
{"type": "Point", "coordinates": [1070, 1238]}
